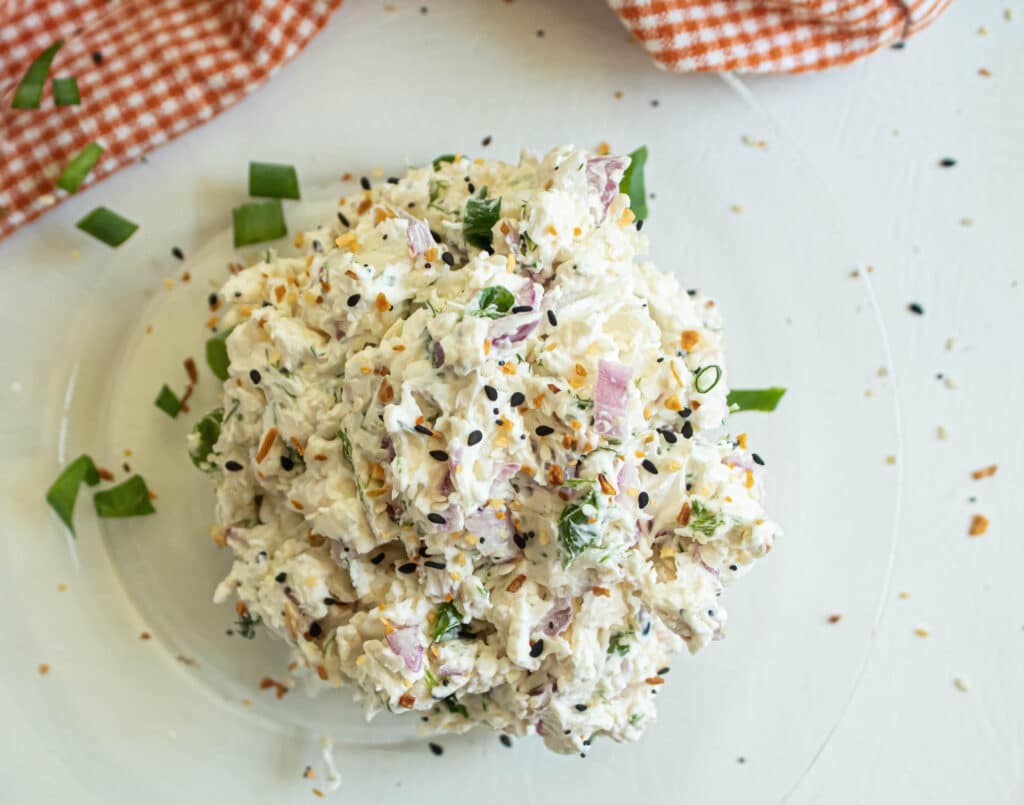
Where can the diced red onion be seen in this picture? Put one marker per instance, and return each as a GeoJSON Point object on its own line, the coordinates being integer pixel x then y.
{"type": "Point", "coordinates": [513, 239]}
{"type": "Point", "coordinates": [405, 642]}
{"type": "Point", "coordinates": [611, 393]}
{"type": "Point", "coordinates": [740, 459]}
{"type": "Point", "coordinates": [603, 177]}
{"type": "Point", "coordinates": [418, 233]}
{"type": "Point", "coordinates": [438, 352]}
{"type": "Point", "coordinates": [514, 328]}
{"type": "Point", "coordinates": [557, 619]}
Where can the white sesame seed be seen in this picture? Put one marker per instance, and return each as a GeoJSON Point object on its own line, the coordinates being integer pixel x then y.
{"type": "Point", "coordinates": [961, 684]}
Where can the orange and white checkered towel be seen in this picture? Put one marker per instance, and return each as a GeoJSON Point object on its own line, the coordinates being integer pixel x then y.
{"type": "Point", "coordinates": [149, 70]}
{"type": "Point", "coordinates": [770, 36]}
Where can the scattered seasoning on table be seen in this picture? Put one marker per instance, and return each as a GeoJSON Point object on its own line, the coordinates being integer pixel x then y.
{"type": "Point", "coordinates": [437, 749]}
{"type": "Point", "coordinates": [985, 472]}
{"type": "Point", "coordinates": [145, 636]}
{"type": "Point", "coordinates": [424, 10]}
{"type": "Point", "coordinates": [617, 94]}
{"type": "Point", "coordinates": [947, 162]}
{"type": "Point", "coordinates": [961, 684]}
{"type": "Point", "coordinates": [979, 525]}
{"type": "Point", "coordinates": [741, 760]}
{"type": "Point", "coordinates": [178, 253]}
{"type": "Point", "coordinates": [486, 141]}
{"type": "Point", "coordinates": [915, 307]}
{"type": "Point", "coordinates": [308, 773]}
{"type": "Point", "coordinates": [654, 102]}
{"type": "Point", "coordinates": [920, 631]}
{"type": "Point", "coordinates": [364, 183]}
{"type": "Point", "coordinates": [835, 618]}
{"type": "Point", "coordinates": [540, 33]}
{"type": "Point", "coordinates": [44, 668]}
{"type": "Point", "coordinates": [898, 45]}
{"type": "Point", "coordinates": [505, 741]}
{"type": "Point", "coordinates": [97, 57]}
{"type": "Point", "coordinates": [904, 595]}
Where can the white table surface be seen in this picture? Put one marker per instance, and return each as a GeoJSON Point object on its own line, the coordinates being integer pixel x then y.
{"type": "Point", "coordinates": [874, 134]}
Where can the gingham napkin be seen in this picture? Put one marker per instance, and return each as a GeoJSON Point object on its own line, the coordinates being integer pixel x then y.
{"type": "Point", "coordinates": [147, 71]}
{"type": "Point", "coordinates": [770, 36]}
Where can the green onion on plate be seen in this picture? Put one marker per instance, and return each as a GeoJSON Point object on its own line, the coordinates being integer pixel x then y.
{"type": "Point", "coordinates": [128, 499]}
{"type": "Point", "coordinates": [258, 221]}
{"type": "Point", "coordinates": [755, 399]}
{"type": "Point", "coordinates": [168, 402]}
{"type": "Point", "coordinates": [64, 492]}
{"type": "Point", "coordinates": [270, 180]}
{"type": "Point", "coordinates": [108, 226]}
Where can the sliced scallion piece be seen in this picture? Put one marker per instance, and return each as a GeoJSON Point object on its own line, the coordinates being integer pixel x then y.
{"type": "Point", "coordinates": [128, 499]}
{"type": "Point", "coordinates": [64, 492]}
{"type": "Point", "coordinates": [168, 402]}
{"type": "Point", "coordinates": [30, 91]}
{"type": "Point", "coordinates": [65, 91]}
{"type": "Point", "coordinates": [443, 158]}
{"type": "Point", "coordinates": [755, 399]}
{"type": "Point", "coordinates": [258, 221]}
{"type": "Point", "coordinates": [270, 180]}
{"type": "Point", "coordinates": [108, 226]}
{"type": "Point", "coordinates": [481, 215]}
{"type": "Point", "coordinates": [217, 355]}
{"type": "Point", "coordinates": [707, 378]}
{"type": "Point", "coordinates": [78, 167]}
{"type": "Point", "coordinates": [632, 183]}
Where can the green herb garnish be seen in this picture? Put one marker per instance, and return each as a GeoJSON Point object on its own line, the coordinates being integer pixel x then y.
{"type": "Point", "coordinates": [619, 644]}
{"type": "Point", "coordinates": [494, 302]}
{"type": "Point", "coordinates": [258, 221]}
{"type": "Point", "coordinates": [207, 431]}
{"type": "Point", "coordinates": [482, 214]}
{"type": "Point", "coordinates": [65, 91]}
{"type": "Point", "coordinates": [246, 625]}
{"type": "Point", "coordinates": [346, 448]}
{"type": "Point", "coordinates": [128, 499]}
{"type": "Point", "coordinates": [575, 532]}
{"type": "Point", "coordinates": [217, 355]}
{"type": "Point", "coordinates": [64, 492]}
{"type": "Point", "coordinates": [703, 520]}
{"type": "Point", "coordinates": [530, 245]}
{"type": "Point", "coordinates": [270, 180]}
{"type": "Point", "coordinates": [443, 158]}
{"type": "Point", "coordinates": [704, 382]}
{"type": "Point", "coordinates": [30, 91]}
{"type": "Point", "coordinates": [755, 399]}
{"type": "Point", "coordinates": [632, 183]}
{"type": "Point", "coordinates": [448, 623]}
{"type": "Point", "coordinates": [108, 226]}
{"type": "Point", "coordinates": [78, 168]}
{"type": "Point", "coordinates": [455, 706]}
{"type": "Point", "coordinates": [168, 402]}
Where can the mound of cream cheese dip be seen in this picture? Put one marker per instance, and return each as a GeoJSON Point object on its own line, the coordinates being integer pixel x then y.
{"type": "Point", "coordinates": [472, 459]}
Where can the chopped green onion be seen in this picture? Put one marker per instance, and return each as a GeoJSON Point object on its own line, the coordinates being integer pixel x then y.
{"type": "Point", "coordinates": [632, 183]}
{"type": "Point", "coordinates": [65, 91]}
{"type": "Point", "coordinates": [443, 158]}
{"type": "Point", "coordinates": [64, 492]}
{"type": "Point", "coordinates": [108, 226]}
{"type": "Point", "coordinates": [494, 301]}
{"type": "Point", "coordinates": [271, 180]}
{"type": "Point", "coordinates": [30, 91]}
{"type": "Point", "coordinates": [703, 383]}
{"type": "Point", "coordinates": [619, 643]}
{"type": "Point", "coordinates": [168, 402]}
{"type": "Point", "coordinates": [258, 221]}
{"type": "Point", "coordinates": [448, 623]}
{"type": "Point", "coordinates": [455, 706]}
{"type": "Point", "coordinates": [206, 432]}
{"type": "Point", "coordinates": [217, 355]}
{"type": "Point", "coordinates": [78, 168]}
{"type": "Point", "coordinates": [704, 520]}
{"type": "Point", "coordinates": [755, 399]}
{"type": "Point", "coordinates": [575, 531]}
{"type": "Point", "coordinates": [246, 625]}
{"type": "Point", "coordinates": [128, 499]}
{"type": "Point", "coordinates": [481, 215]}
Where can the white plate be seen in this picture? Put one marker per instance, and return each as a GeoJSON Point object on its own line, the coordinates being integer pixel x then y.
{"type": "Point", "coordinates": [120, 714]}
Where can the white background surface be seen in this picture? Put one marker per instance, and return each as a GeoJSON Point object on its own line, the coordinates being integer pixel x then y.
{"type": "Point", "coordinates": [873, 135]}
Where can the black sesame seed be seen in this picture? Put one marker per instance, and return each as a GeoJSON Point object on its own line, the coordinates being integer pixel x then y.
{"type": "Point", "coordinates": [648, 465]}
{"type": "Point", "coordinates": [211, 300]}
{"type": "Point", "coordinates": [437, 749]}
{"type": "Point", "coordinates": [947, 162]}
{"type": "Point", "coordinates": [408, 567]}
{"type": "Point", "coordinates": [280, 578]}
{"type": "Point", "coordinates": [232, 466]}
{"type": "Point", "coordinates": [757, 459]}
{"type": "Point", "coordinates": [254, 376]}
{"type": "Point", "coordinates": [687, 430]}
{"type": "Point", "coordinates": [643, 499]}
{"type": "Point", "coordinates": [505, 740]}
{"type": "Point", "coordinates": [436, 518]}
{"type": "Point", "coordinates": [734, 567]}
{"type": "Point", "coordinates": [517, 399]}
{"type": "Point", "coordinates": [663, 671]}
{"type": "Point", "coordinates": [435, 565]}
{"type": "Point", "coordinates": [522, 309]}
{"type": "Point", "coordinates": [471, 187]}
{"type": "Point", "coordinates": [343, 219]}
{"type": "Point", "coordinates": [914, 307]}
{"type": "Point", "coordinates": [669, 436]}
{"type": "Point", "coordinates": [898, 45]}
{"type": "Point", "coordinates": [654, 102]}
{"type": "Point", "coordinates": [435, 235]}
{"type": "Point", "coordinates": [449, 259]}
{"type": "Point", "coordinates": [178, 253]}
{"type": "Point", "coordinates": [392, 180]}
{"type": "Point", "coordinates": [581, 707]}
{"type": "Point", "coordinates": [378, 558]}
{"type": "Point", "coordinates": [685, 413]}
{"type": "Point", "coordinates": [330, 602]}
{"type": "Point", "coordinates": [540, 33]}
{"type": "Point", "coordinates": [552, 318]}
{"type": "Point", "coordinates": [544, 430]}
{"type": "Point", "coordinates": [537, 648]}
{"type": "Point", "coordinates": [474, 437]}
{"type": "Point", "coordinates": [315, 629]}
{"type": "Point", "coordinates": [424, 430]}
{"type": "Point", "coordinates": [486, 141]}
{"type": "Point", "coordinates": [287, 464]}
{"type": "Point", "coordinates": [519, 540]}
{"type": "Point", "coordinates": [439, 455]}
{"type": "Point", "coordinates": [691, 291]}
{"type": "Point", "coordinates": [639, 224]}
{"type": "Point", "coordinates": [364, 183]}
{"type": "Point", "coordinates": [647, 629]}
{"type": "Point", "coordinates": [491, 393]}
{"type": "Point", "coordinates": [353, 300]}
{"type": "Point", "coordinates": [422, 551]}
{"type": "Point", "coordinates": [97, 57]}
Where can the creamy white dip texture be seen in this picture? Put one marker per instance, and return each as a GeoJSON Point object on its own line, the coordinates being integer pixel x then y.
{"type": "Point", "coordinates": [472, 460]}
